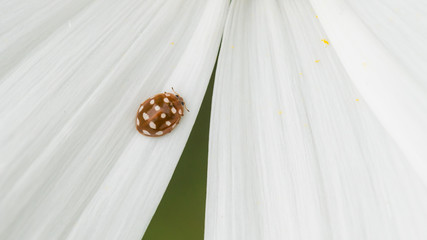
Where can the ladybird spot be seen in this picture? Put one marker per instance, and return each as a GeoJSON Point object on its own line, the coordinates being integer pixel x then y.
{"type": "Point", "coordinates": [167, 94]}
{"type": "Point", "coordinates": [146, 132]}
{"type": "Point", "coordinates": [163, 115]}
{"type": "Point", "coordinates": [137, 121]}
{"type": "Point", "coordinates": [140, 109]}
{"type": "Point", "coordinates": [152, 125]}
{"type": "Point", "coordinates": [173, 110]}
{"type": "Point", "coordinates": [166, 100]}
{"type": "Point", "coordinates": [168, 123]}
{"type": "Point", "coordinates": [159, 133]}
{"type": "Point", "coordinates": [145, 116]}
{"type": "Point", "coordinates": [157, 108]}
{"type": "Point", "coordinates": [152, 101]}
{"type": "Point", "coordinates": [180, 111]}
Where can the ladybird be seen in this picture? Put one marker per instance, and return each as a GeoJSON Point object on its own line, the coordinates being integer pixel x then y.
{"type": "Point", "coordinates": [159, 115]}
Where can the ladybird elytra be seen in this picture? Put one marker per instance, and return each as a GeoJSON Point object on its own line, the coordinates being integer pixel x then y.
{"type": "Point", "coordinates": [159, 115]}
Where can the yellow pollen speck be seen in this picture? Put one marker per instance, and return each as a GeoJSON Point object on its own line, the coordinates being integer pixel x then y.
{"type": "Point", "coordinates": [317, 61]}
{"type": "Point", "coordinates": [305, 125]}
{"type": "Point", "coordinates": [357, 99]}
{"type": "Point", "coordinates": [172, 43]}
{"type": "Point", "coordinates": [364, 64]}
{"type": "Point", "coordinates": [232, 46]}
{"type": "Point", "coordinates": [317, 16]}
{"type": "Point", "coordinates": [280, 112]}
{"type": "Point", "coordinates": [300, 73]}
{"type": "Point", "coordinates": [325, 41]}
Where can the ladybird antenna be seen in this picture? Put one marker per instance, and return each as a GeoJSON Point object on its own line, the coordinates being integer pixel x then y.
{"type": "Point", "coordinates": [174, 90]}
{"type": "Point", "coordinates": [185, 105]}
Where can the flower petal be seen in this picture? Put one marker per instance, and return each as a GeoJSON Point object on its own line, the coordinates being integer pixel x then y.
{"type": "Point", "coordinates": [72, 164]}
{"type": "Point", "coordinates": [24, 24]}
{"type": "Point", "coordinates": [382, 47]}
{"type": "Point", "coordinates": [295, 152]}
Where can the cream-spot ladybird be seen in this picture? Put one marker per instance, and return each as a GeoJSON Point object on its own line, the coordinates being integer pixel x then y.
{"type": "Point", "coordinates": [160, 114]}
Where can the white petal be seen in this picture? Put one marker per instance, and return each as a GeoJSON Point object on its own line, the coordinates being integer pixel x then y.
{"type": "Point", "coordinates": [384, 52]}
{"type": "Point", "coordinates": [25, 24]}
{"type": "Point", "coordinates": [296, 156]}
{"type": "Point", "coordinates": [72, 164]}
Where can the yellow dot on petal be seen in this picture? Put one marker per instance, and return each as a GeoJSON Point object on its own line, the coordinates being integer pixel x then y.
{"type": "Point", "coordinates": [317, 16]}
{"type": "Point", "coordinates": [325, 41]}
{"type": "Point", "coordinates": [232, 46]}
{"type": "Point", "coordinates": [364, 64]}
{"type": "Point", "coordinates": [300, 73]}
{"type": "Point", "coordinates": [357, 99]}
{"type": "Point", "coordinates": [280, 112]}
{"type": "Point", "coordinates": [172, 43]}
{"type": "Point", "coordinates": [317, 61]}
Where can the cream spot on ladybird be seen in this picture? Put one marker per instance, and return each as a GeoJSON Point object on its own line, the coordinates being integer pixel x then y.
{"type": "Point", "coordinates": [152, 101]}
{"type": "Point", "coordinates": [146, 132]}
{"type": "Point", "coordinates": [140, 109]}
{"type": "Point", "coordinates": [159, 133]}
{"type": "Point", "coordinates": [173, 110]}
{"type": "Point", "coordinates": [168, 123]}
{"type": "Point", "coordinates": [152, 125]}
{"type": "Point", "coordinates": [163, 115]}
{"type": "Point", "coordinates": [180, 111]}
{"type": "Point", "coordinates": [137, 121]}
{"type": "Point", "coordinates": [145, 116]}
{"type": "Point", "coordinates": [167, 94]}
{"type": "Point", "coordinates": [157, 108]}
{"type": "Point", "coordinates": [166, 100]}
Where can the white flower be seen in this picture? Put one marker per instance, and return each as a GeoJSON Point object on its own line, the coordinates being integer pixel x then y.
{"type": "Point", "coordinates": [298, 153]}
{"type": "Point", "coordinates": [318, 127]}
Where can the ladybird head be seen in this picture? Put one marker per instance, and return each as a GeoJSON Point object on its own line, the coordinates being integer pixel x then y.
{"type": "Point", "coordinates": [180, 99]}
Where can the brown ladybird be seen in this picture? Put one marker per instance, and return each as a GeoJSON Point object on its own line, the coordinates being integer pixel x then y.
{"type": "Point", "coordinates": [159, 115]}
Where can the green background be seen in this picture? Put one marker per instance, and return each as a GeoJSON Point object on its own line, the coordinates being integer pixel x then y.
{"type": "Point", "coordinates": [181, 213]}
